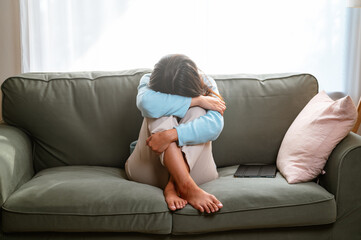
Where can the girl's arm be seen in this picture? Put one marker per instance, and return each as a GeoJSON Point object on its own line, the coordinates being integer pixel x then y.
{"type": "Point", "coordinates": [203, 129]}
{"type": "Point", "coordinates": [154, 104]}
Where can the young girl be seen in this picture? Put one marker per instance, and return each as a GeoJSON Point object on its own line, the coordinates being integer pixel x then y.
{"type": "Point", "coordinates": [183, 113]}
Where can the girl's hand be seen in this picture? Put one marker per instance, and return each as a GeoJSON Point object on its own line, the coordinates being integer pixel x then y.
{"type": "Point", "coordinates": [209, 103]}
{"type": "Point", "coordinates": [160, 141]}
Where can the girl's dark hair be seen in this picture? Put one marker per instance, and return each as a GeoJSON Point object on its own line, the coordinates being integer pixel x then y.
{"type": "Point", "coordinates": [178, 74]}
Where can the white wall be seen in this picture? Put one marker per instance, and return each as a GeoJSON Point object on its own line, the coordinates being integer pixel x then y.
{"type": "Point", "coordinates": [10, 50]}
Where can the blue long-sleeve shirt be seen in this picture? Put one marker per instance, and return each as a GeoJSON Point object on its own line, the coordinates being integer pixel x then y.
{"type": "Point", "coordinates": [154, 104]}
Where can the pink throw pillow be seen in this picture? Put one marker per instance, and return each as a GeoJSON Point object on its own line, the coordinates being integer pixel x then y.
{"type": "Point", "coordinates": [312, 136]}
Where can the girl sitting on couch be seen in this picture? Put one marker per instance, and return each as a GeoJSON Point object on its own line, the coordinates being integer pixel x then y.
{"type": "Point", "coordinates": [183, 113]}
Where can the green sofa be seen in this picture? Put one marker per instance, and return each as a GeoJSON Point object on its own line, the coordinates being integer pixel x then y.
{"type": "Point", "coordinates": [65, 139]}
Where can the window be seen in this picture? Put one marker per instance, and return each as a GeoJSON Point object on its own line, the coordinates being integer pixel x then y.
{"type": "Point", "coordinates": [222, 37]}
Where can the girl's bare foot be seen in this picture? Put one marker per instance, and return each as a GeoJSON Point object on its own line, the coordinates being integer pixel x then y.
{"type": "Point", "coordinates": [172, 199]}
{"type": "Point", "coordinates": [199, 199]}
{"type": "Point", "coordinates": [188, 189]}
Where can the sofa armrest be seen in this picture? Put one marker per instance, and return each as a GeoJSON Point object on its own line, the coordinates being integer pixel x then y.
{"type": "Point", "coordinates": [342, 177]}
{"type": "Point", "coordinates": [16, 165]}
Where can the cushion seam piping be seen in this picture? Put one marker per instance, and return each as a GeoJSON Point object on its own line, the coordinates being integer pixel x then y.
{"type": "Point", "coordinates": [127, 75]}
{"type": "Point", "coordinates": [271, 78]}
{"type": "Point", "coordinates": [279, 206]}
{"type": "Point", "coordinates": [75, 78]}
{"type": "Point", "coordinates": [80, 214]}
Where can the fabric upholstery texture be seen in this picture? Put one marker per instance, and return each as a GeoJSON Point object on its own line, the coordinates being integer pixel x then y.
{"type": "Point", "coordinates": [86, 198]}
{"type": "Point", "coordinates": [258, 203]}
{"type": "Point", "coordinates": [91, 120]}
{"type": "Point", "coordinates": [260, 109]}
{"type": "Point", "coordinates": [318, 128]}
{"type": "Point", "coordinates": [16, 166]}
{"type": "Point", "coordinates": [86, 118]}
{"type": "Point", "coordinates": [342, 180]}
{"type": "Point", "coordinates": [92, 116]}
{"type": "Point", "coordinates": [291, 233]}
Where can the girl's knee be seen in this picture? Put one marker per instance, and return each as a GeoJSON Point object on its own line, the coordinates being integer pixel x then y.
{"type": "Point", "coordinates": [161, 124]}
{"type": "Point", "coordinates": [127, 170]}
{"type": "Point", "coordinates": [194, 113]}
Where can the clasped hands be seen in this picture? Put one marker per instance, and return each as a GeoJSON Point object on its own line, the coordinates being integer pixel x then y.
{"type": "Point", "coordinates": [160, 141]}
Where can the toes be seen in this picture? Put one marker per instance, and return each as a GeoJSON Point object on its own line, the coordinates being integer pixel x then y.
{"type": "Point", "coordinates": [200, 208]}
{"type": "Point", "coordinates": [180, 204]}
{"type": "Point", "coordinates": [172, 207]}
{"type": "Point", "coordinates": [216, 201]}
{"type": "Point", "coordinates": [214, 207]}
{"type": "Point", "coordinates": [210, 206]}
{"type": "Point", "coordinates": [206, 209]}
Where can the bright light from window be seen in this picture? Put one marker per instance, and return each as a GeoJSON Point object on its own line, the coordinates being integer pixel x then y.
{"type": "Point", "coordinates": [222, 37]}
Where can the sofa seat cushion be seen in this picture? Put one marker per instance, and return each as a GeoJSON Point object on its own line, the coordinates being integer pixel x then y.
{"type": "Point", "coordinates": [250, 203]}
{"type": "Point", "coordinates": [86, 199]}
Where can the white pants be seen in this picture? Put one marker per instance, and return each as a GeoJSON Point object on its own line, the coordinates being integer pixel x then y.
{"type": "Point", "coordinates": [145, 166]}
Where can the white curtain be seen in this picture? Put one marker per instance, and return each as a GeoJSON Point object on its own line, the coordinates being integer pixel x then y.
{"type": "Point", "coordinates": [353, 56]}
{"type": "Point", "coordinates": [230, 36]}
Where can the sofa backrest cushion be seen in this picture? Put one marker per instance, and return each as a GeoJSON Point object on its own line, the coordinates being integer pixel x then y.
{"type": "Point", "coordinates": [87, 118]}
{"type": "Point", "coordinates": [90, 118]}
{"type": "Point", "coordinates": [260, 109]}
